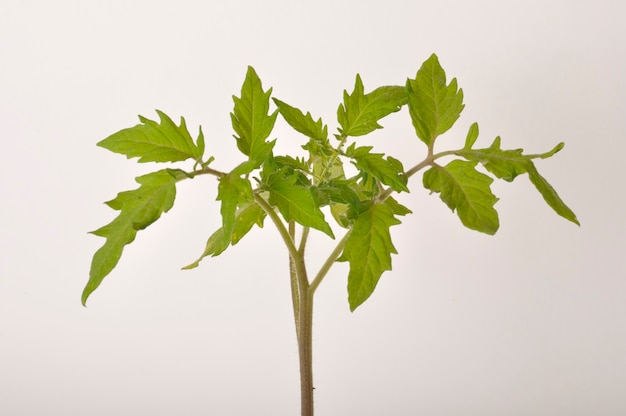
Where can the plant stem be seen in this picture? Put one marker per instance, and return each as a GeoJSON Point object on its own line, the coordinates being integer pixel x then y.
{"type": "Point", "coordinates": [304, 328]}
{"type": "Point", "coordinates": [305, 352]}
{"type": "Point", "coordinates": [293, 279]}
{"type": "Point", "coordinates": [302, 300]}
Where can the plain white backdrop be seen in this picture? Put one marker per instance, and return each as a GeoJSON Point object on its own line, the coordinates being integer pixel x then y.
{"type": "Point", "coordinates": [530, 321]}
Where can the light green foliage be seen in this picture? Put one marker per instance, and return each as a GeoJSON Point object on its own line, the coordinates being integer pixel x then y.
{"type": "Point", "coordinates": [302, 123]}
{"type": "Point", "coordinates": [433, 105]}
{"type": "Point", "coordinates": [156, 142]}
{"type": "Point", "coordinates": [508, 164]}
{"type": "Point", "coordinates": [359, 114]}
{"type": "Point", "coordinates": [251, 119]}
{"type": "Point", "coordinates": [295, 201]}
{"type": "Point", "coordinates": [368, 250]}
{"type": "Point", "coordinates": [300, 191]}
{"type": "Point", "coordinates": [246, 216]}
{"type": "Point", "coordinates": [388, 171]}
{"type": "Point", "coordinates": [138, 209]}
{"type": "Point", "coordinates": [467, 191]}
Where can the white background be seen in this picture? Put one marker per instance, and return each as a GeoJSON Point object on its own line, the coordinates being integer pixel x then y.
{"type": "Point", "coordinates": [530, 321]}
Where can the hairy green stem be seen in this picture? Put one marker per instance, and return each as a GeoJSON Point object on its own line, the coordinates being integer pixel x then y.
{"type": "Point", "coordinates": [305, 339]}
{"type": "Point", "coordinates": [293, 279]}
{"type": "Point", "coordinates": [284, 233]}
{"type": "Point", "coordinates": [334, 255]}
{"type": "Point", "coordinates": [302, 301]}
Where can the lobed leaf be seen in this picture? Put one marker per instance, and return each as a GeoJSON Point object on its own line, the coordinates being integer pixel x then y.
{"type": "Point", "coordinates": [156, 142]}
{"type": "Point", "coordinates": [389, 171]}
{"type": "Point", "coordinates": [434, 106]}
{"type": "Point", "coordinates": [138, 209]}
{"type": "Point", "coordinates": [504, 164]}
{"type": "Point", "coordinates": [508, 164]}
{"type": "Point", "coordinates": [368, 250]}
{"type": "Point", "coordinates": [251, 119]}
{"type": "Point", "coordinates": [467, 191]}
{"type": "Point", "coordinates": [359, 114]}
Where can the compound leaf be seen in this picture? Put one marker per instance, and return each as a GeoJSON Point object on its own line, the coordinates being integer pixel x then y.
{"type": "Point", "coordinates": [508, 164]}
{"type": "Point", "coordinates": [467, 191]}
{"type": "Point", "coordinates": [138, 209]}
{"type": "Point", "coordinates": [251, 119]}
{"type": "Point", "coordinates": [434, 106]}
{"type": "Point", "coordinates": [368, 250]}
{"type": "Point", "coordinates": [156, 142]}
{"type": "Point", "coordinates": [504, 164]}
{"type": "Point", "coordinates": [359, 114]}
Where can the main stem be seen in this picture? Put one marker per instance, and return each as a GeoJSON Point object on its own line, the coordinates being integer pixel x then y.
{"type": "Point", "coordinates": [305, 351]}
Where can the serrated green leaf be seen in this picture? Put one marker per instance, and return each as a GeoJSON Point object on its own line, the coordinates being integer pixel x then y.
{"type": "Point", "coordinates": [246, 217]}
{"type": "Point", "coordinates": [504, 164]}
{"type": "Point", "coordinates": [467, 191]}
{"type": "Point", "coordinates": [156, 142]}
{"type": "Point", "coordinates": [389, 172]}
{"type": "Point", "coordinates": [359, 114]}
{"type": "Point", "coordinates": [550, 196]}
{"type": "Point", "coordinates": [368, 250]}
{"type": "Point", "coordinates": [251, 119]}
{"type": "Point", "coordinates": [232, 190]}
{"type": "Point", "coordinates": [434, 106]}
{"type": "Point", "coordinates": [472, 136]}
{"type": "Point", "coordinates": [396, 207]}
{"type": "Point", "coordinates": [302, 123]}
{"type": "Point", "coordinates": [138, 209]}
{"type": "Point", "coordinates": [339, 191]}
{"type": "Point", "coordinates": [508, 164]}
{"type": "Point", "coordinates": [296, 202]}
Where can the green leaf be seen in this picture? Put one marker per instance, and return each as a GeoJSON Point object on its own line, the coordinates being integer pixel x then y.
{"type": "Point", "coordinates": [300, 122]}
{"type": "Point", "coordinates": [296, 202]}
{"type": "Point", "coordinates": [246, 217]}
{"type": "Point", "coordinates": [504, 164]}
{"type": "Point", "coordinates": [251, 119]}
{"type": "Point", "coordinates": [508, 164]}
{"type": "Point", "coordinates": [396, 207]}
{"type": "Point", "coordinates": [138, 209]}
{"type": "Point", "coordinates": [156, 142]}
{"type": "Point", "coordinates": [472, 136]}
{"type": "Point", "coordinates": [233, 190]}
{"type": "Point", "coordinates": [550, 196]}
{"type": "Point", "coordinates": [359, 114]}
{"type": "Point", "coordinates": [389, 172]}
{"type": "Point", "coordinates": [467, 191]}
{"type": "Point", "coordinates": [434, 106]}
{"type": "Point", "coordinates": [339, 191]}
{"type": "Point", "coordinates": [368, 250]}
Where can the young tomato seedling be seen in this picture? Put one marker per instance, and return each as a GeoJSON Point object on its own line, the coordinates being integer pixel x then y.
{"type": "Point", "coordinates": [292, 189]}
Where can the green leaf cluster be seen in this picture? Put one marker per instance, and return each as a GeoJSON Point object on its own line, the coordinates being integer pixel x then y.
{"type": "Point", "coordinates": [310, 190]}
